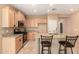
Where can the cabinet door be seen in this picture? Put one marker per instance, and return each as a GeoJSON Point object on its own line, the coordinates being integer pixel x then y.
{"type": "Point", "coordinates": [28, 23]}
{"type": "Point", "coordinates": [18, 43]}
{"type": "Point", "coordinates": [19, 16]}
{"type": "Point", "coordinates": [8, 45]}
{"type": "Point", "coordinates": [11, 17]}
{"type": "Point", "coordinates": [31, 36]}
{"type": "Point", "coordinates": [7, 17]}
{"type": "Point", "coordinates": [16, 18]}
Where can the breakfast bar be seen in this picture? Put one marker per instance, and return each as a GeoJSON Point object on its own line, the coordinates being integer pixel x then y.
{"type": "Point", "coordinates": [55, 45]}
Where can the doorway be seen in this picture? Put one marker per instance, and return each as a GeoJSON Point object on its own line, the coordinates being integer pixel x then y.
{"type": "Point", "coordinates": [61, 27]}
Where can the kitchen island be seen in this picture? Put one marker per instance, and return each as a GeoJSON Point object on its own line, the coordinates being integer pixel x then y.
{"type": "Point", "coordinates": [55, 44]}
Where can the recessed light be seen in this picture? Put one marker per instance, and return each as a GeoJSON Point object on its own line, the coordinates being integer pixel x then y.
{"type": "Point", "coordinates": [51, 4]}
{"type": "Point", "coordinates": [35, 10]}
{"type": "Point", "coordinates": [48, 10]}
{"type": "Point", "coordinates": [71, 9]}
{"type": "Point", "coordinates": [33, 4]}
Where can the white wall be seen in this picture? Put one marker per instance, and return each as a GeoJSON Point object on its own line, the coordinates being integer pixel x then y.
{"type": "Point", "coordinates": [72, 28]}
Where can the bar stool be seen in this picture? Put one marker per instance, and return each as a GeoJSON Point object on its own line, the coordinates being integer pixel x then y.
{"type": "Point", "coordinates": [46, 41]}
{"type": "Point", "coordinates": [68, 43]}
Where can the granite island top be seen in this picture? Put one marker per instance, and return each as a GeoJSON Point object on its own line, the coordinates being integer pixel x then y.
{"type": "Point", "coordinates": [58, 36]}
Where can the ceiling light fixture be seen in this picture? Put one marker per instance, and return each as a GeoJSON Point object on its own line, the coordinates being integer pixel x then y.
{"type": "Point", "coordinates": [33, 4]}
{"type": "Point", "coordinates": [71, 9]}
{"type": "Point", "coordinates": [51, 5]}
{"type": "Point", "coordinates": [35, 10]}
{"type": "Point", "coordinates": [48, 10]}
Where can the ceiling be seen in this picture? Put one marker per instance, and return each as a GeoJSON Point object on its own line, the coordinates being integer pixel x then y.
{"type": "Point", "coordinates": [44, 9]}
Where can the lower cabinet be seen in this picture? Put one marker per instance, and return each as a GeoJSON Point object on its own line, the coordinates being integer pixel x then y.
{"type": "Point", "coordinates": [31, 36]}
{"type": "Point", "coordinates": [25, 38]}
{"type": "Point", "coordinates": [11, 45]}
{"type": "Point", "coordinates": [18, 43]}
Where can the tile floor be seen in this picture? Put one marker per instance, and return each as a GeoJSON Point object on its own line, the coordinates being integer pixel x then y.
{"type": "Point", "coordinates": [32, 48]}
{"type": "Point", "coordinates": [29, 48]}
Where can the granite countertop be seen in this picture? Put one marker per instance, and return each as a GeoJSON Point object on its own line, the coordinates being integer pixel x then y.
{"type": "Point", "coordinates": [12, 35]}
{"type": "Point", "coordinates": [58, 36]}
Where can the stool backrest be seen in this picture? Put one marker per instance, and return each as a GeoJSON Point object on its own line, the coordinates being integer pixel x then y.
{"type": "Point", "coordinates": [47, 38]}
{"type": "Point", "coordinates": [72, 39]}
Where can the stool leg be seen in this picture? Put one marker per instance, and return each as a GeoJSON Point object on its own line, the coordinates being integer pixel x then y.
{"type": "Point", "coordinates": [71, 50]}
{"type": "Point", "coordinates": [49, 50]}
{"type": "Point", "coordinates": [42, 50]}
{"type": "Point", "coordinates": [59, 48]}
{"type": "Point", "coordinates": [65, 50]}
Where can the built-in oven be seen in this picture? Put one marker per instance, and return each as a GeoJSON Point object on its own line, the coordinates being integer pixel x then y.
{"type": "Point", "coordinates": [20, 29]}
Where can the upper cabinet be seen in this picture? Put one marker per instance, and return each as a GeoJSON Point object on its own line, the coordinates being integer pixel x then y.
{"type": "Point", "coordinates": [8, 17]}
{"type": "Point", "coordinates": [19, 16]}
{"type": "Point", "coordinates": [34, 21]}
{"type": "Point", "coordinates": [16, 18]}
{"type": "Point", "coordinates": [11, 16]}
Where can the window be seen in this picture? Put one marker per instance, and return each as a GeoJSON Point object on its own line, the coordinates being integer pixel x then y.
{"type": "Point", "coordinates": [52, 26]}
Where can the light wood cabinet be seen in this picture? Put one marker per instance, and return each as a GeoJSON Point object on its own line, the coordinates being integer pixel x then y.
{"type": "Point", "coordinates": [7, 17]}
{"type": "Point", "coordinates": [11, 16]}
{"type": "Point", "coordinates": [18, 43]}
{"type": "Point", "coordinates": [31, 36]}
{"type": "Point", "coordinates": [11, 45]}
{"type": "Point", "coordinates": [19, 16]}
{"type": "Point", "coordinates": [32, 23]}
{"type": "Point", "coordinates": [16, 18]}
{"type": "Point", "coordinates": [8, 45]}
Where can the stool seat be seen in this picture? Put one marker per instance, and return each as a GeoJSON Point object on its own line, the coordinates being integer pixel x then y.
{"type": "Point", "coordinates": [66, 44]}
